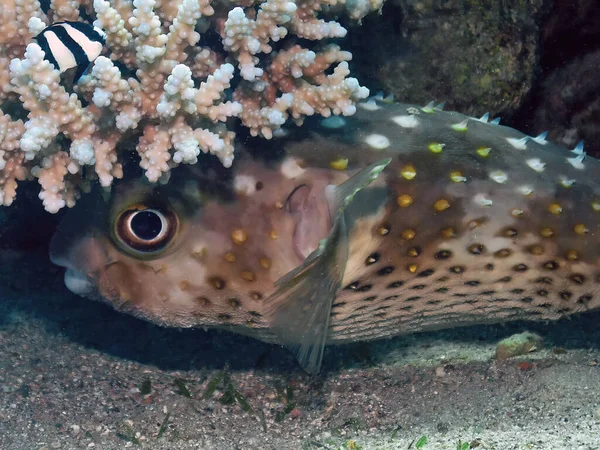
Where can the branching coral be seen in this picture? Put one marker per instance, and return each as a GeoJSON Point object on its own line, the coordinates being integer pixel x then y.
{"type": "Point", "coordinates": [176, 78]}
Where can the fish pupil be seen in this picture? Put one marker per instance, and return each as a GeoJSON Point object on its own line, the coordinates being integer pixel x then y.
{"type": "Point", "coordinates": [146, 225]}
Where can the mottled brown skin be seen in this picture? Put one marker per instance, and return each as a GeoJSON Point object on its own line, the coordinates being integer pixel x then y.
{"type": "Point", "coordinates": [446, 236]}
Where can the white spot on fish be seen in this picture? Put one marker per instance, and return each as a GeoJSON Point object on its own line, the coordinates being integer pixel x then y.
{"type": "Point", "coordinates": [369, 105]}
{"type": "Point", "coordinates": [484, 118]}
{"type": "Point", "coordinates": [536, 164]}
{"type": "Point", "coordinates": [518, 143]}
{"type": "Point", "coordinates": [290, 168]}
{"type": "Point", "coordinates": [482, 200]}
{"type": "Point", "coordinates": [525, 190]}
{"type": "Point", "coordinates": [541, 139]}
{"type": "Point", "coordinates": [498, 176]}
{"type": "Point", "coordinates": [407, 121]}
{"type": "Point", "coordinates": [566, 182]}
{"type": "Point", "coordinates": [333, 122]}
{"type": "Point", "coordinates": [577, 161]}
{"type": "Point", "coordinates": [244, 184]}
{"type": "Point", "coordinates": [377, 141]}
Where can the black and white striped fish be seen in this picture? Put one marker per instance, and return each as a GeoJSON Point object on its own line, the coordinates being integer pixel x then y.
{"type": "Point", "coordinates": [71, 44]}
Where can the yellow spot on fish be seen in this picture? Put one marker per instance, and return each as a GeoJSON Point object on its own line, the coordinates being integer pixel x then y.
{"type": "Point", "coordinates": [412, 268]}
{"type": "Point", "coordinates": [230, 257]}
{"type": "Point", "coordinates": [547, 232]}
{"type": "Point", "coordinates": [408, 171]}
{"type": "Point", "coordinates": [566, 182]}
{"type": "Point", "coordinates": [555, 208]}
{"type": "Point", "coordinates": [581, 229]}
{"type": "Point", "coordinates": [448, 233]}
{"type": "Point", "coordinates": [572, 255]}
{"type": "Point", "coordinates": [462, 126]}
{"type": "Point", "coordinates": [404, 200]}
{"type": "Point", "coordinates": [278, 205]}
{"type": "Point", "coordinates": [273, 234]}
{"type": "Point", "coordinates": [596, 206]}
{"type": "Point", "coordinates": [435, 147]}
{"type": "Point", "coordinates": [484, 151]}
{"type": "Point", "coordinates": [457, 176]}
{"type": "Point", "coordinates": [383, 230]}
{"type": "Point", "coordinates": [265, 263]}
{"type": "Point", "coordinates": [536, 250]}
{"type": "Point", "coordinates": [248, 276]}
{"type": "Point", "coordinates": [516, 212]}
{"type": "Point", "coordinates": [441, 205]}
{"type": "Point", "coordinates": [339, 164]}
{"type": "Point", "coordinates": [184, 284]}
{"type": "Point", "coordinates": [239, 236]}
{"type": "Point", "coordinates": [408, 234]}
{"type": "Point", "coordinates": [413, 252]}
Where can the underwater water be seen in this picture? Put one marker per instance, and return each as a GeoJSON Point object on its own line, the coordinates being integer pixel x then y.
{"type": "Point", "coordinates": [404, 277]}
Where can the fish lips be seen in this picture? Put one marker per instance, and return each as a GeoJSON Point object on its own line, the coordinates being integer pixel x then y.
{"type": "Point", "coordinates": [76, 244]}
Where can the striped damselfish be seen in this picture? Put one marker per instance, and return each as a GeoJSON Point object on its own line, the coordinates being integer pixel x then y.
{"type": "Point", "coordinates": [71, 44]}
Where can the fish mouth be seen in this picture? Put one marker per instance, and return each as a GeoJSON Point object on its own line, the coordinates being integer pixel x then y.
{"type": "Point", "coordinates": [79, 283]}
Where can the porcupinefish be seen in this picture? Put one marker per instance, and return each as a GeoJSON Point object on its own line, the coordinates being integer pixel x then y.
{"type": "Point", "coordinates": [395, 220]}
{"type": "Point", "coordinates": [71, 44]}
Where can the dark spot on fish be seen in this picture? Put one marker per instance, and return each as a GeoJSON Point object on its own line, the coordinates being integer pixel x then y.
{"type": "Point", "coordinates": [352, 286]}
{"type": "Point", "coordinates": [443, 279]}
{"type": "Point", "coordinates": [382, 308]}
{"type": "Point", "coordinates": [418, 287]}
{"type": "Point", "coordinates": [370, 299]}
{"type": "Point", "coordinates": [526, 299]}
{"type": "Point", "coordinates": [545, 305]}
{"type": "Point", "coordinates": [434, 302]}
{"type": "Point", "coordinates": [259, 185]}
{"type": "Point", "coordinates": [566, 295]}
{"type": "Point", "coordinates": [460, 295]}
{"type": "Point", "coordinates": [412, 299]}
{"type": "Point", "coordinates": [509, 232]}
{"type": "Point", "coordinates": [520, 268]}
{"type": "Point", "coordinates": [489, 267]}
{"type": "Point", "coordinates": [584, 299]}
{"type": "Point", "coordinates": [372, 258]}
{"type": "Point", "coordinates": [544, 280]}
{"type": "Point", "coordinates": [471, 301]}
{"type": "Point", "coordinates": [472, 283]}
{"type": "Point", "coordinates": [203, 301]}
{"type": "Point", "coordinates": [257, 314]}
{"type": "Point", "coordinates": [234, 302]}
{"type": "Point", "coordinates": [406, 308]}
{"type": "Point", "coordinates": [487, 293]}
{"type": "Point", "coordinates": [385, 271]}
{"type": "Point", "coordinates": [255, 295]}
{"type": "Point", "coordinates": [517, 291]}
{"type": "Point", "coordinates": [457, 269]}
{"type": "Point", "coordinates": [563, 310]}
{"type": "Point", "coordinates": [443, 254]}
{"type": "Point", "coordinates": [426, 273]}
{"type": "Point", "coordinates": [395, 284]}
{"type": "Point", "coordinates": [551, 265]}
{"type": "Point", "coordinates": [542, 292]}
{"type": "Point", "coordinates": [224, 317]}
{"type": "Point", "coordinates": [217, 282]}
{"type": "Point", "coordinates": [365, 288]}
{"type": "Point", "coordinates": [391, 297]}
{"type": "Point", "coordinates": [442, 290]}
{"type": "Point", "coordinates": [503, 253]}
{"type": "Point", "coordinates": [577, 278]}
{"type": "Point", "coordinates": [380, 314]}
{"type": "Point", "coordinates": [476, 249]}
{"type": "Point", "coordinates": [504, 280]}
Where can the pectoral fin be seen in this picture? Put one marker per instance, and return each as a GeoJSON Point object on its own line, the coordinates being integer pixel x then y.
{"type": "Point", "coordinates": [300, 308]}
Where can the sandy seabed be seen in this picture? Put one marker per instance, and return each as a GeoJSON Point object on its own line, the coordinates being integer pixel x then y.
{"type": "Point", "coordinates": [76, 375]}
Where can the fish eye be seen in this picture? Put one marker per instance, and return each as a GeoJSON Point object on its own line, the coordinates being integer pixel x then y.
{"type": "Point", "coordinates": [144, 229]}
